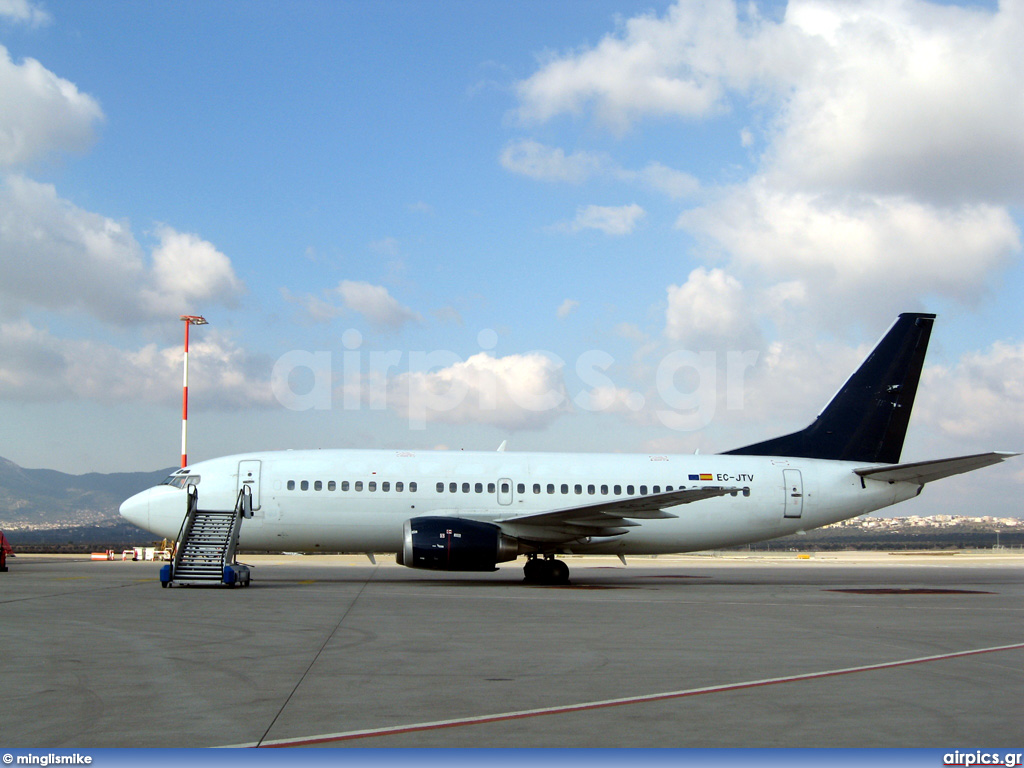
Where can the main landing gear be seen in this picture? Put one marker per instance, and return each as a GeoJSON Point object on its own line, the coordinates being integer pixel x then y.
{"type": "Point", "coordinates": [546, 571]}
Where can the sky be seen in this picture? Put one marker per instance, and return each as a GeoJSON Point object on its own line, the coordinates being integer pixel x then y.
{"type": "Point", "coordinates": [577, 226]}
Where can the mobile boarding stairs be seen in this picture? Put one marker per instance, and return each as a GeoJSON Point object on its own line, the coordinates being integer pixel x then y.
{"type": "Point", "coordinates": [206, 545]}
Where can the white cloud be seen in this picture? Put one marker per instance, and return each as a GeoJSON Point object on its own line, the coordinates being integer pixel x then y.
{"type": "Point", "coordinates": [538, 161]}
{"type": "Point", "coordinates": [188, 272]}
{"type": "Point", "coordinates": [24, 12]}
{"type": "Point", "coordinates": [893, 135]}
{"type": "Point", "coordinates": [57, 256]}
{"type": "Point", "coordinates": [373, 302]}
{"type": "Point", "coordinates": [37, 366]}
{"type": "Point", "coordinates": [675, 184]}
{"type": "Point", "coordinates": [543, 163]}
{"type": "Point", "coordinates": [612, 220]}
{"type": "Point", "coordinates": [873, 253]}
{"type": "Point", "coordinates": [612, 399]}
{"type": "Point", "coordinates": [315, 309]}
{"type": "Point", "coordinates": [378, 306]}
{"type": "Point", "coordinates": [682, 64]}
{"type": "Point", "coordinates": [980, 400]}
{"type": "Point", "coordinates": [41, 113]}
{"type": "Point", "coordinates": [566, 308]}
{"type": "Point", "coordinates": [905, 97]}
{"type": "Point", "coordinates": [887, 96]}
{"type": "Point", "coordinates": [709, 311]}
{"type": "Point", "coordinates": [513, 392]}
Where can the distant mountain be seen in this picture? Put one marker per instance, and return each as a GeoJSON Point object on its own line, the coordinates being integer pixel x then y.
{"type": "Point", "coordinates": [47, 497]}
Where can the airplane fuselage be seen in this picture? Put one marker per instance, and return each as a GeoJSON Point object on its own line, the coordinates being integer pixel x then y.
{"type": "Point", "coordinates": [359, 500]}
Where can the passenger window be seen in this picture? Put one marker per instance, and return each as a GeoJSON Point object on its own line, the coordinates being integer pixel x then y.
{"type": "Point", "coordinates": [318, 486]}
{"type": "Point", "coordinates": [604, 490]}
{"type": "Point", "coordinates": [359, 485]}
{"type": "Point", "coordinates": [490, 488]}
{"type": "Point", "coordinates": [565, 488]}
{"type": "Point", "coordinates": [465, 487]}
{"type": "Point", "coordinates": [578, 488]}
{"type": "Point", "coordinates": [344, 485]}
{"type": "Point", "coordinates": [618, 490]}
{"type": "Point", "coordinates": [412, 487]}
{"type": "Point", "coordinates": [399, 487]}
{"type": "Point", "coordinates": [304, 485]}
{"type": "Point", "coordinates": [372, 485]}
{"type": "Point", "coordinates": [479, 487]}
{"type": "Point", "coordinates": [331, 485]}
{"type": "Point", "coordinates": [551, 487]}
{"type": "Point", "coordinates": [505, 487]}
{"type": "Point", "coordinates": [440, 487]}
{"type": "Point", "coordinates": [521, 488]}
{"type": "Point", "coordinates": [536, 487]}
{"type": "Point", "coordinates": [656, 489]}
{"type": "Point", "coordinates": [668, 488]}
{"type": "Point", "coordinates": [630, 490]}
{"type": "Point", "coordinates": [385, 487]}
{"type": "Point", "coordinates": [590, 490]}
{"type": "Point", "coordinates": [643, 490]}
{"type": "Point", "coordinates": [453, 487]}
{"type": "Point", "coordinates": [291, 485]}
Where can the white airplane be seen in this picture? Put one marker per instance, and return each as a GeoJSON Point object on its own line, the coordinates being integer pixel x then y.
{"type": "Point", "coordinates": [468, 511]}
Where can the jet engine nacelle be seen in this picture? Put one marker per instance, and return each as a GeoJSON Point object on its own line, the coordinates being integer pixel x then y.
{"type": "Point", "coordinates": [453, 544]}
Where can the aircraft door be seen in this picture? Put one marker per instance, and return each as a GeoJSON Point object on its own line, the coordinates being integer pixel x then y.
{"type": "Point", "coordinates": [794, 487]}
{"type": "Point", "coordinates": [249, 474]}
{"type": "Point", "coordinates": [504, 491]}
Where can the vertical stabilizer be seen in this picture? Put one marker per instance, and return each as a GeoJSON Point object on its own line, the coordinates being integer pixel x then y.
{"type": "Point", "coordinates": [867, 419]}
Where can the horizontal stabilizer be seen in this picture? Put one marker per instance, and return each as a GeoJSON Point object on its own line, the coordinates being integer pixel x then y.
{"type": "Point", "coordinates": [925, 471]}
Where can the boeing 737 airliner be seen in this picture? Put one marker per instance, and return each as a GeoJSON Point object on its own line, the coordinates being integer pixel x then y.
{"type": "Point", "coordinates": [468, 511]}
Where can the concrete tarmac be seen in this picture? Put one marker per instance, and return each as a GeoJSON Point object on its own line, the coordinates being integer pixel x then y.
{"type": "Point", "coordinates": [838, 650]}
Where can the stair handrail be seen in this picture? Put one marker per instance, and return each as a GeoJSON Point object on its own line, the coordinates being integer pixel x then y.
{"type": "Point", "coordinates": [243, 505]}
{"type": "Point", "coordinates": [186, 526]}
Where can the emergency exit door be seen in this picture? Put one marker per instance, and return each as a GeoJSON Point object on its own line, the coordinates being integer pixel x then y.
{"type": "Point", "coordinates": [794, 492]}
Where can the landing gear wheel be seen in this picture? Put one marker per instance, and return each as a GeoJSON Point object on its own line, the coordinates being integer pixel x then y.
{"type": "Point", "coordinates": [547, 571]}
{"type": "Point", "coordinates": [534, 571]}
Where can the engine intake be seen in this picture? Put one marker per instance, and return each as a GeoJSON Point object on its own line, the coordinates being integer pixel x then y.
{"type": "Point", "coordinates": [454, 544]}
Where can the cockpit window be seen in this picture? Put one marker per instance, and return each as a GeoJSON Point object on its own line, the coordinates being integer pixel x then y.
{"type": "Point", "coordinates": [181, 481]}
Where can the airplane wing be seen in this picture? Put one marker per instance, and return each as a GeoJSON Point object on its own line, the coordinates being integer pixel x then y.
{"type": "Point", "coordinates": [925, 471]}
{"type": "Point", "coordinates": [606, 518]}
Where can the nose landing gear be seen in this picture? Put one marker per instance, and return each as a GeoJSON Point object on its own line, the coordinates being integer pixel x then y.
{"type": "Point", "coordinates": [546, 571]}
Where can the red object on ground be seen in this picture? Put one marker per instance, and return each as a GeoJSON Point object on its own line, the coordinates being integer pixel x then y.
{"type": "Point", "coordinates": [5, 550]}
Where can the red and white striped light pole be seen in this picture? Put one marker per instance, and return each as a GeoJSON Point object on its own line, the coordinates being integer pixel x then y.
{"type": "Point", "coordinates": [188, 320]}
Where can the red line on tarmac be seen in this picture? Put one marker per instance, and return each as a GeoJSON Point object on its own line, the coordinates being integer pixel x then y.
{"type": "Point", "coordinates": [504, 716]}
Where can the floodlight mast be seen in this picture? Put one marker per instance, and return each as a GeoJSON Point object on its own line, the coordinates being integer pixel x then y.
{"type": "Point", "coordinates": [188, 320]}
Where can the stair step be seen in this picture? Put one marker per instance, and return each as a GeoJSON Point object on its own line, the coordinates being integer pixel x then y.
{"type": "Point", "coordinates": [202, 552]}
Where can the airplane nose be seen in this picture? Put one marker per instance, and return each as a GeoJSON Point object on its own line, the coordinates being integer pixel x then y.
{"type": "Point", "coordinates": [136, 509]}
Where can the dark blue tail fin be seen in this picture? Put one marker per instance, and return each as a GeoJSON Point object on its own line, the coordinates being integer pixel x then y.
{"type": "Point", "coordinates": [867, 419]}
